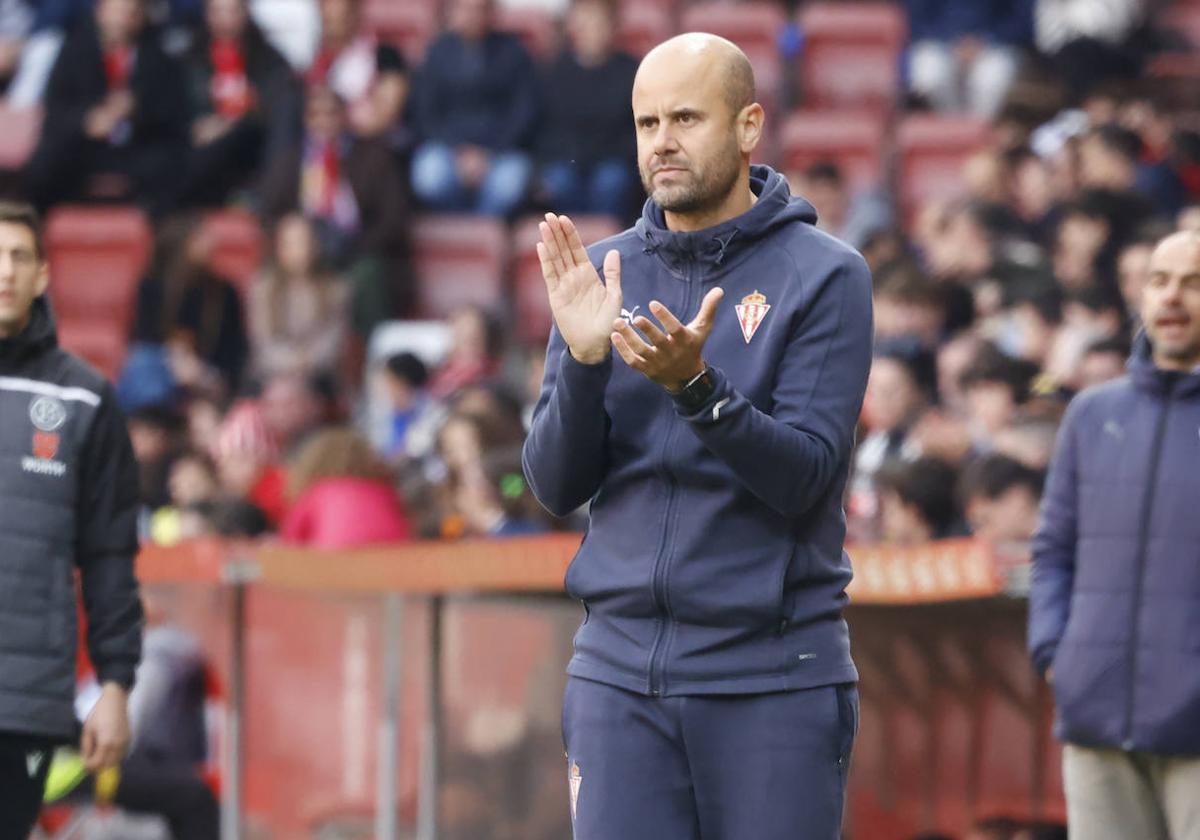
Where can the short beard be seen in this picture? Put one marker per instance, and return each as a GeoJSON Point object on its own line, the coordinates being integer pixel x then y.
{"type": "Point", "coordinates": [707, 189]}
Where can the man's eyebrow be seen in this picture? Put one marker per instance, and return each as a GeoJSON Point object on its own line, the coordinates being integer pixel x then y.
{"type": "Point", "coordinates": [686, 110]}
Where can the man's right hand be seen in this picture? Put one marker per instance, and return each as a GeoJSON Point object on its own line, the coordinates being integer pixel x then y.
{"type": "Point", "coordinates": [584, 308]}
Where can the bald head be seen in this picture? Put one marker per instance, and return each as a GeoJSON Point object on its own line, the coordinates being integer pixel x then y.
{"type": "Point", "coordinates": [699, 55]}
{"type": "Point", "coordinates": [1171, 302]}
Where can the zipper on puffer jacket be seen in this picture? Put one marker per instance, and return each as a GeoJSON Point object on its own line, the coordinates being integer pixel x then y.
{"type": "Point", "coordinates": [1160, 431]}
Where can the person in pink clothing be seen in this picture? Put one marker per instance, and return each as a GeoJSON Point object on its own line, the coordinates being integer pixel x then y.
{"type": "Point", "coordinates": [342, 495]}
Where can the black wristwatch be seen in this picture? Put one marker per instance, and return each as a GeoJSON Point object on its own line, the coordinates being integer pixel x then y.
{"type": "Point", "coordinates": [696, 391]}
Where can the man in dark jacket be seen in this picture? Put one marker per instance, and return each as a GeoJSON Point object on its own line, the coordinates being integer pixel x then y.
{"type": "Point", "coordinates": [475, 103]}
{"type": "Point", "coordinates": [68, 501]}
{"type": "Point", "coordinates": [1113, 618]}
{"type": "Point", "coordinates": [116, 105]}
{"type": "Point", "coordinates": [712, 690]}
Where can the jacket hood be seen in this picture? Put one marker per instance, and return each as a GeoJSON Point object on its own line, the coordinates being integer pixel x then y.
{"type": "Point", "coordinates": [38, 336]}
{"type": "Point", "coordinates": [1147, 376]}
{"type": "Point", "coordinates": [721, 245]}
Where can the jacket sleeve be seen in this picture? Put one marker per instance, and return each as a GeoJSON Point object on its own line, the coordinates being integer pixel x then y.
{"type": "Point", "coordinates": [789, 457]}
{"type": "Point", "coordinates": [1054, 549]}
{"type": "Point", "coordinates": [106, 546]}
{"type": "Point", "coordinates": [564, 452]}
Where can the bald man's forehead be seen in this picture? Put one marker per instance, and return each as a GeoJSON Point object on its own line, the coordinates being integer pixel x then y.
{"type": "Point", "coordinates": [672, 84]}
{"type": "Point", "coordinates": [1177, 252]}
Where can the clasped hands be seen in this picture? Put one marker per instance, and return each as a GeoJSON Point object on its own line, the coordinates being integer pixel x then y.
{"type": "Point", "coordinates": [588, 312]}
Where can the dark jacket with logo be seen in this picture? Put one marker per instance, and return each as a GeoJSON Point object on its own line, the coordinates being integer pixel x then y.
{"type": "Point", "coordinates": [68, 501]}
{"type": "Point", "coordinates": [713, 562]}
{"type": "Point", "coordinates": [1115, 605]}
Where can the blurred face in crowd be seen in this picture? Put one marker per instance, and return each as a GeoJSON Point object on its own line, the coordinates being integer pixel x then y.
{"type": "Point", "coordinates": [694, 142]}
{"type": "Point", "coordinates": [1098, 368]}
{"type": "Point", "coordinates": [198, 247]}
{"type": "Point", "coordinates": [1080, 238]}
{"type": "Point", "coordinates": [1031, 444]}
{"type": "Point", "coordinates": [828, 195]}
{"type": "Point", "coordinates": [324, 116]}
{"type": "Point", "coordinates": [339, 20]}
{"type": "Point", "coordinates": [901, 524]}
{"type": "Point", "coordinates": [1032, 188]}
{"type": "Point", "coordinates": [471, 19]}
{"type": "Point", "coordinates": [591, 27]}
{"type": "Point", "coordinates": [953, 359]}
{"type": "Point", "coordinates": [192, 480]}
{"type": "Point", "coordinates": [1101, 166]}
{"type": "Point", "coordinates": [985, 177]}
{"type": "Point", "coordinates": [119, 21]}
{"type": "Point", "coordinates": [991, 406]}
{"type": "Point", "coordinates": [892, 397]}
{"type": "Point", "coordinates": [1133, 273]}
{"type": "Point", "coordinates": [295, 246]}
{"type": "Point", "coordinates": [460, 446]}
{"type": "Point", "coordinates": [895, 317]}
{"type": "Point", "coordinates": [150, 441]}
{"type": "Point", "coordinates": [468, 328]}
{"type": "Point", "coordinates": [23, 277]}
{"type": "Point", "coordinates": [290, 408]}
{"type": "Point", "coordinates": [1010, 517]}
{"type": "Point", "coordinates": [226, 18]}
{"type": "Point", "coordinates": [1171, 302]}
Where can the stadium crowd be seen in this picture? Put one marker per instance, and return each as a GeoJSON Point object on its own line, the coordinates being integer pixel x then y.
{"type": "Point", "coordinates": [268, 413]}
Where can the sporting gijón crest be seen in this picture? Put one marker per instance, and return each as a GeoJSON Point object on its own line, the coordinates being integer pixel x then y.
{"type": "Point", "coordinates": [750, 313]}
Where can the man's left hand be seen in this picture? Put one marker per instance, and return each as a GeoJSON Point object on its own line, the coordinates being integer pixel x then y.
{"type": "Point", "coordinates": [674, 354]}
{"type": "Point", "coordinates": [106, 732]}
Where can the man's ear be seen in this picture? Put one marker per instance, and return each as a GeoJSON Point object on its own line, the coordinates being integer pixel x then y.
{"type": "Point", "coordinates": [43, 277]}
{"type": "Point", "coordinates": [750, 127]}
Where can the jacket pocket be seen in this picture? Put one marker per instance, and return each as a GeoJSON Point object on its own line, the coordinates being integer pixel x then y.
{"type": "Point", "coordinates": [847, 702]}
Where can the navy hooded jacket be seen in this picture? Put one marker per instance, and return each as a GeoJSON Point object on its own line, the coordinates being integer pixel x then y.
{"type": "Point", "coordinates": [1115, 604]}
{"type": "Point", "coordinates": [713, 562]}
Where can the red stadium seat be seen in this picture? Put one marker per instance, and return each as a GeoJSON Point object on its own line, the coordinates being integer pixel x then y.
{"type": "Point", "coordinates": [854, 140]}
{"type": "Point", "coordinates": [753, 26]}
{"type": "Point", "coordinates": [532, 306]}
{"type": "Point", "coordinates": [21, 129]}
{"type": "Point", "coordinates": [459, 260]}
{"type": "Point", "coordinates": [101, 343]}
{"type": "Point", "coordinates": [852, 53]}
{"type": "Point", "coordinates": [932, 152]}
{"type": "Point", "coordinates": [96, 256]}
{"type": "Point", "coordinates": [409, 25]}
{"type": "Point", "coordinates": [536, 28]}
{"type": "Point", "coordinates": [642, 26]}
{"type": "Point", "coordinates": [237, 246]}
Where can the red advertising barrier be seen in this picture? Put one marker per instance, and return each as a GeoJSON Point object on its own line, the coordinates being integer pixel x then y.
{"type": "Point", "coordinates": [430, 674]}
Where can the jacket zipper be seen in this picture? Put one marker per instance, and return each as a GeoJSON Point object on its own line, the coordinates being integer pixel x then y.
{"type": "Point", "coordinates": [1143, 539]}
{"type": "Point", "coordinates": [658, 651]}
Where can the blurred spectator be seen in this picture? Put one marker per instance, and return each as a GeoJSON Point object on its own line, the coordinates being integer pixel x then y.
{"type": "Point", "coordinates": [341, 494]}
{"type": "Point", "coordinates": [909, 305]}
{"type": "Point", "coordinates": [916, 501]}
{"type": "Point", "coordinates": [853, 218]}
{"type": "Point", "coordinates": [192, 481]}
{"type": "Point", "coordinates": [1102, 362]}
{"type": "Point", "coordinates": [956, 241]}
{"type": "Point", "coordinates": [1112, 157]}
{"type": "Point", "coordinates": [476, 105]}
{"type": "Point", "coordinates": [184, 306]}
{"type": "Point", "coordinates": [1000, 497]}
{"type": "Point", "coordinates": [475, 351]}
{"type": "Point", "coordinates": [995, 387]}
{"type": "Point", "coordinates": [586, 140]}
{"type": "Point", "coordinates": [294, 406]}
{"type": "Point", "coordinates": [1089, 41]}
{"type": "Point", "coordinates": [965, 54]}
{"type": "Point", "coordinates": [296, 306]}
{"type": "Point", "coordinates": [404, 379]}
{"type": "Point", "coordinates": [116, 106]}
{"type": "Point", "coordinates": [464, 442]}
{"type": "Point", "coordinates": [155, 433]}
{"type": "Point", "coordinates": [494, 500]}
{"type": "Point", "coordinates": [247, 458]}
{"type": "Point", "coordinates": [16, 21]}
{"type": "Point", "coordinates": [372, 78]}
{"type": "Point", "coordinates": [244, 102]}
{"type": "Point", "coordinates": [350, 189]}
{"type": "Point", "coordinates": [162, 773]}
{"type": "Point", "coordinates": [901, 386]}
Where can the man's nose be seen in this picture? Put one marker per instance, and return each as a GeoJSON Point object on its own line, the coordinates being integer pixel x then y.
{"type": "Point", "coordinates": [664, 140]}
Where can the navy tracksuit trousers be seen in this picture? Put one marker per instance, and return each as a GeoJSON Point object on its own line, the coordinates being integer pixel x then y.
{"type": "Point", "coordinates": [715, 767]}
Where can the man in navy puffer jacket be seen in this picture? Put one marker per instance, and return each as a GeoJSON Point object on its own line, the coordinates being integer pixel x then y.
{"type": "Point", "coordinates": [1115, 608]}
{"type": "Point", "coordinates": [712, 691]}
